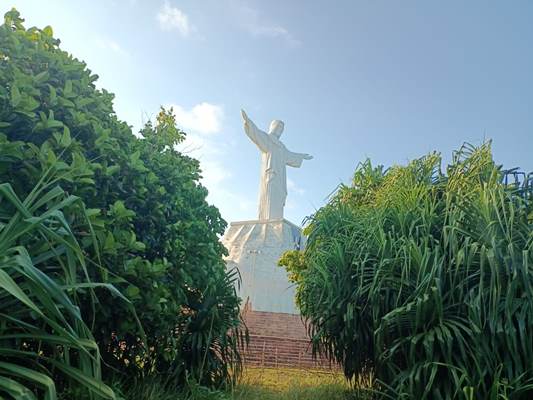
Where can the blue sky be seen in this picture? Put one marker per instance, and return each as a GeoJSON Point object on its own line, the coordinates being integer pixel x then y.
{"type": "Point", "coordinates": [389, 80]}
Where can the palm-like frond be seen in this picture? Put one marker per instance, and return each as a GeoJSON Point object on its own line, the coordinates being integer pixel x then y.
{"type": "Point", "coordinates": [43, 337]}
{"type": "Point", "coordinates": [426, 278]}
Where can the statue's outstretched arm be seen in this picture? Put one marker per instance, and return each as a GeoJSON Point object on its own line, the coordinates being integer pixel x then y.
{"type": "Point", "coordinates": [295, 159]}
{"type": "Point", "coordinates": [257, 136]}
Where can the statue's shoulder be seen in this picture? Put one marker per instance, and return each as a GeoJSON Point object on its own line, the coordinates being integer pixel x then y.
{"type": "Point", "coordinates": [276, 141]}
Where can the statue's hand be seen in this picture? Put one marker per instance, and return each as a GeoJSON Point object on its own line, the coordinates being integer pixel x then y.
{"type": "Point", "coordinates": [308, 157]}
{"type": "Point", "coordinates": [244, 116]}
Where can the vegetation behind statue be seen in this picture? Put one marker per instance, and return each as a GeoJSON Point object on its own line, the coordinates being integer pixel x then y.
{"type": "Point", "coordinates": [149, 230]}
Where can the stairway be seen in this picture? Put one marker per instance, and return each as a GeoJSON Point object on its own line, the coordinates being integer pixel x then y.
{"type": "Point", "coordinates": [279, 340]}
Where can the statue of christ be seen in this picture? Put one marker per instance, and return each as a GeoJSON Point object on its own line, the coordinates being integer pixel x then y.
{"type": "Point", "coordinates": [274, 160]}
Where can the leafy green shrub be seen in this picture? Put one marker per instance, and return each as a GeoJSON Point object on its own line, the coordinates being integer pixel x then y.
{"type": "Point", "coordinates": [155, 237]}
{"type": "Point", "coordinates": [425, 279]}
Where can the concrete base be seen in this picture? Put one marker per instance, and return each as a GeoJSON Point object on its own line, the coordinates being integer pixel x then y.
{"type": "Point", "coordinates": [255, 248]}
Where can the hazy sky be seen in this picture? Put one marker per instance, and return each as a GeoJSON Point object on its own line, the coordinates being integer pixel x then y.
{"type": "Point", "coordinates": [389, 80]}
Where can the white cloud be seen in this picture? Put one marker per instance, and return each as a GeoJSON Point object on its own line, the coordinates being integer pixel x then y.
{"type": "Point", "coordinates": [213, 173]}
{"type": "Point", "coordinates": [294, 188]}
{"type": "Point", "coordinates": [110, 44]}
{"type": "Point", "coordinates": [233, 206]}
{"type": "Point", "coordinates": [295, 197]}
{"type": "Point", "coordinates": [273, 31]}
{"type": "Point", "coordinates": [216, 178]}
{"type": "Point", "coordinates": [172, 18]}
{"type": "Point", "coordinates": [251, 21]}
{"type": "Point", "coordinates": [203, 118]}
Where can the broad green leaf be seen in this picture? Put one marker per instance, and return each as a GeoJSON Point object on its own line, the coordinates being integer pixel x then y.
{"type": "Point", "coordinates": [16, 390]}
{"type": "Point", "coordinates": [41, 380]}
{"type": "Point", "coordinates": [48, 31]}
{"type": "Point", "coordinates": [15, 96]}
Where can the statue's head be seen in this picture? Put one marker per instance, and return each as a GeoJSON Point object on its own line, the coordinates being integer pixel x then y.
{"type": "Point", "coordinates": [276, 128]}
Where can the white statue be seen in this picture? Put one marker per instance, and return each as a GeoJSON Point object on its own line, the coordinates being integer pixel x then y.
{"type": "Point", "coordinates": [274, 159]}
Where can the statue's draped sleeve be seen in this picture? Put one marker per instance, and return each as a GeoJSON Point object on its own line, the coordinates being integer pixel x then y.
{"type": "Point", "coordinates": [257, 136]}
{"type": "Point", "coordinates": [295, 159]}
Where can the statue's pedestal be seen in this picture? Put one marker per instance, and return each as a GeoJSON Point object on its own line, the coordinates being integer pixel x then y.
{"type": "Point", "coordinates": [255, 248]}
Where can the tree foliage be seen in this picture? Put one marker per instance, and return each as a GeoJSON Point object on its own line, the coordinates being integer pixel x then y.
{"type": "Point", "coordinates": [424, 279]}
{"type": "Point", "coordinates": [153, 236]}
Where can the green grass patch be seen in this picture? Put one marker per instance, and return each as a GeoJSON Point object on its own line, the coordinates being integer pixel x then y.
{"type": "Point", "coordinates": [288, 383]}
{"type": "Point", "coordinates": [255, 384]}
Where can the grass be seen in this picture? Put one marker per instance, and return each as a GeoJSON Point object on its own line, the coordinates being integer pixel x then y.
{"type": "Point", "coordinates": [255, 384]}
{"type": "Point", "coordinates": [291, 384]}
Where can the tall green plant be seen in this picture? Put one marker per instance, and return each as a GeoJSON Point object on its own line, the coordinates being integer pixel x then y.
{"type": "Point", "coordinates": [425, 278]}
{"type": "Point", "coordinates": [44, 340]}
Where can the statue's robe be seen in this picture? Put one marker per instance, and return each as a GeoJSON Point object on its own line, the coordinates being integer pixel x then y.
{"type": "Point", "coordinates": [274, 159]}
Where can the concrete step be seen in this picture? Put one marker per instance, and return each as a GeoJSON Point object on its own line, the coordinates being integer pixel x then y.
{"type": "Point", "coordinates": [278, 339]}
